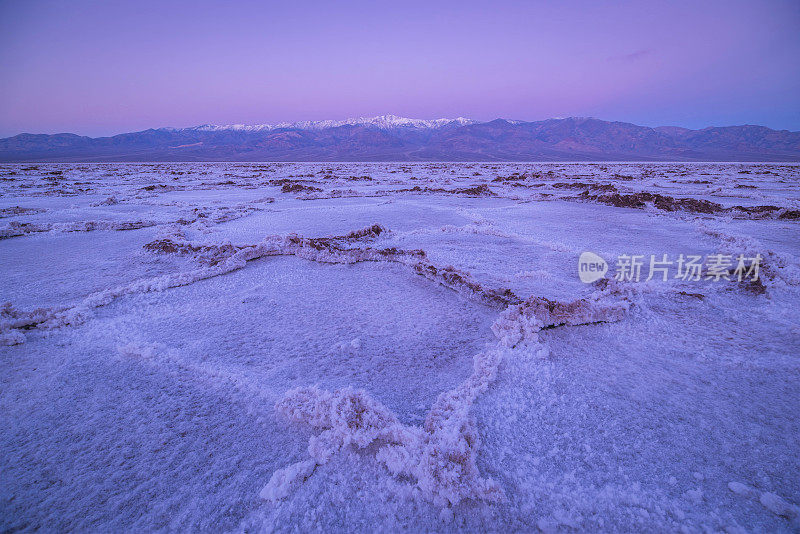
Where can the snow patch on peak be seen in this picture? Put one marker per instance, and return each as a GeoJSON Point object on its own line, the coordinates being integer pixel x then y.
{"type": "Point", "coordinates": [384, 122]}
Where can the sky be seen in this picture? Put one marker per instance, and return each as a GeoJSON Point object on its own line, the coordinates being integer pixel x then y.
{"type": "Point", "coordinates": [100, 68]}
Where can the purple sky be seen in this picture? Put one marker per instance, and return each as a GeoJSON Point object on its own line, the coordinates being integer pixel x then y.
{"type": "Point", "coordinates": [100, 68]}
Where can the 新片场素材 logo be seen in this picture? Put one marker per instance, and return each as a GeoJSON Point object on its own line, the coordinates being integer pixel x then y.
{"type": "Point", "coordinates": [591, 267]}
{"type": "Point", "coordinates": [688, 268]}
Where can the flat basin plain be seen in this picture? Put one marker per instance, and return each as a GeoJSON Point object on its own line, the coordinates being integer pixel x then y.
{"type": "Point", "coordinates": [397, 346]}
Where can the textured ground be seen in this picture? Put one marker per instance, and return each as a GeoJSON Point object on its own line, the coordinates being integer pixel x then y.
{"type": "Point", "coordinates": [395, 346]}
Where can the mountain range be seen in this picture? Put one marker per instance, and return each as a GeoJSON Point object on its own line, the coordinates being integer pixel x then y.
{"type": "Point", "coordinates": [392, 138]}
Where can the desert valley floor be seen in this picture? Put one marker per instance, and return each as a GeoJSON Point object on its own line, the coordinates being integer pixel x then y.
{"type": "Point", "coordinates": [382, 346]}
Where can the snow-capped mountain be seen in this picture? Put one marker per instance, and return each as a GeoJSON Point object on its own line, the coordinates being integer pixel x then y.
{"type": "Point", "coordinates": [384, 122]}
{"type": "Point", "coordinates": [392, 138]}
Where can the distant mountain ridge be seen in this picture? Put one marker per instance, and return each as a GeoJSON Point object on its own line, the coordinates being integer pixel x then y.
{"type": "Point", "coordinates": [392, 138]}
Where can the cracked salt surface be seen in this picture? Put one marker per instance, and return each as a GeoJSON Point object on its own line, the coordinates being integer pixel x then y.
{"type": "Point", "coordinates": [232, 376]}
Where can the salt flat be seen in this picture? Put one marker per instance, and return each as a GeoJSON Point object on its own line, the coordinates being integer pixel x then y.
{"type": "Point", "coordinates": [370, 346]}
